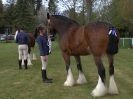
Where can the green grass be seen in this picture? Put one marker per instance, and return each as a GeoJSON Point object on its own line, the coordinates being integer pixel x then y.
{"type": "Point", "coordinates": [27, 84]}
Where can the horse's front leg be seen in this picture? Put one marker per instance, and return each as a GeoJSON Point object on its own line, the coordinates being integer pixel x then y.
{"type": "Point", "coordinates": [100, 89]}
{"type": "Point", "coordinates": [81, 78]}
{"type": "Point", "coordinates": [70, 80]}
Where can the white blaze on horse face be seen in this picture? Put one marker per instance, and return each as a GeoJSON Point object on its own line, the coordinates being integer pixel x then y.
{"type": "Point", "coordinates": [70, 79]}
{"type": "Point", "coordinates": [112, 86]}
{"type": "Point", "coordinates": [100, 89]}
{"type": "Point", "coordinates": [81, 78]}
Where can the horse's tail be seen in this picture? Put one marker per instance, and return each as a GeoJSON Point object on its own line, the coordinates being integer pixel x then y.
{"type": "Point", "coordinates": [113, 43]}
{"type": "Point", "coordinates": [36, 33]}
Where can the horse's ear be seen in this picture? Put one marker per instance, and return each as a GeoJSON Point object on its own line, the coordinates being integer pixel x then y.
{"type": "Point", "coordinates": [48, 16]}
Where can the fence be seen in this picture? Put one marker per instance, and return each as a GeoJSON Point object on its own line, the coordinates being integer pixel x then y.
{"type": "Point", "coordinates": [126, 43]}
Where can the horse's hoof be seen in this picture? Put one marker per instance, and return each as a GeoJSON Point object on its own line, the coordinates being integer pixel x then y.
{"type": "Point", "coordinates": [113, 91]}
{"type": "Point", "coordinates": [68, 83]}
{"type": "Point", "coordinates": [29, 64]}
{"type": "Point", "coordinates": [81, 82]}
{"type": "Point", "coordinates": [81, 79]}
{"type": "Point", "coordinates": [99, 92]}
{"type": "Point", "coordinates": [34, 59]}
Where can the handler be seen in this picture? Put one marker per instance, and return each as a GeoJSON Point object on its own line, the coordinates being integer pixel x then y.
{"type": "Point", "coordinates": [42, 41]}
{"type": "Point", "coordinates": [22, 40]}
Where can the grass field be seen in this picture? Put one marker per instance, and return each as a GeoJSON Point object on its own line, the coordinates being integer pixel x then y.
{"type": "Point", "coordinates": [27, 84]}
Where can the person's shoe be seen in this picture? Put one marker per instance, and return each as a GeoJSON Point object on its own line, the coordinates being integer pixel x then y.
{"type": "Point", "coordinates": [49, 78]}
{"type": "Point", "coordinates": [47, 81]}
{"type": "Point", "coordinates": [45, 78]}
{"type": "Point", "coordinates": [25, 63]}
{"type": "Point", "coordinates": [20, 66]}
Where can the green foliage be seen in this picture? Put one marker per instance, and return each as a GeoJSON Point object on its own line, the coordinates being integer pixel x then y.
{"type": "Point", "coordinates": [52, 7]}
{"type": "Point", "coordinates": [24, 16]}
{"type": "Point", "coordinates": [73, 14]}
{"type": "Point", "coordinates": [1, 6]}
{"type": "Point", "coordinates": [2, 20]}
{"type": "Point", "coordinates": [81, 18]}
{"type": "Point", "coordinates": [9, 15]}
{"type": "Point", "coordinates": [121, 13]}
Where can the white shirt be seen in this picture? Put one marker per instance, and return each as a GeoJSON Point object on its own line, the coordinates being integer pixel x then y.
{"type": "Point", "coordinates": [16, 33]}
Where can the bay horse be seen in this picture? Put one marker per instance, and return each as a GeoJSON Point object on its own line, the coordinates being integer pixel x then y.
{"type": "Point", "coordinates": [93, 38]}
{"type": "Point", "coordinates": [31, 46]}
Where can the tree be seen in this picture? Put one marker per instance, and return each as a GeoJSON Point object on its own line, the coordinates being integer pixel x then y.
{"type": "Point", "coordinates": [9, 12]}
{"type": "Point", "coordinates": [89, 8]}
{"type": "Point", "coordinates": [52, 7]}
{"type": "Point", "coordinates": [2, 20]}
{"type": "Point", "coordinates": [126, 9]}
{"type": "Point", "coordinates": [42, 16]}
{"type": "Point", "coordinates": [36, 5]}
{"type": "Point", "coordinates": [1, 6]}
{"type": "Point", "coordinates": [121, 15]}
{"type": "Point", "coordinates": [24, 16]}
{"type": "Point", "coordinates": [72, 7]}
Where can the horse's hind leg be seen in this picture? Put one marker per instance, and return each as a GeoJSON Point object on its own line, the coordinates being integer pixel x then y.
{"type": "Point", "coordinates": [29, 56]}
{"type": "Point", "coordinates": [34, 55]}
{"type": "Point", "coordinates": [70, 80]}
{"type": "Point", "coordinates": [81, 78]}
{"type": "Point", "coordinates": [112, 85]}
{"type": "Point", "coordinates": [100, 89]}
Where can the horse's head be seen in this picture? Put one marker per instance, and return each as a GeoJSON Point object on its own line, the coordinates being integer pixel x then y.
{"type": "Point", "coordinates": [60, 24]}
{"type": "Point", "coordinates": [50, 26]}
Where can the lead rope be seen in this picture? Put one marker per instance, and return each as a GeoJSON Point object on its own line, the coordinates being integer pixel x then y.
{"type": "Point", "coordinates": [49, 39]}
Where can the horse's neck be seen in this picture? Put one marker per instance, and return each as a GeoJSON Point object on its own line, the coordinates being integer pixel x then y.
{"type": "Point", "coordinates": [61, 26]}
{"type": "Point", "coordinates": [62, 30]}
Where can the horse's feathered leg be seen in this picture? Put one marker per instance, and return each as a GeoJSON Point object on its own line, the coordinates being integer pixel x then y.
{"type": "Point", "coordinates": [29, 56]}
{"type": "Point", "coordinates": [34, 55]}
{"type": "Point", "coordinates": [81, 78]}
{"type": "Point", "coordinates": [100, 89]}
{"type": "Point", "coordinates": [70, 80]}
{"type": "Point", "coordinates": [112, 85]}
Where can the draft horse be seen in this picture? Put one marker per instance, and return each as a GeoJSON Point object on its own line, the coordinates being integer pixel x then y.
{"type": "Point", "coordinates": [31, 46]}
{"type": "Point", "coordinates": [93, 38]}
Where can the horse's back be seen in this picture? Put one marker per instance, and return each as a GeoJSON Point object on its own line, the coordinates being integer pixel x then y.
{"type": "Point", "coordinates": [92, 38]}
{"type": "Point", "coordinates": [96, 35]}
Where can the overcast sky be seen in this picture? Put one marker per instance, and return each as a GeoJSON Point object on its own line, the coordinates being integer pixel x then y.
{"type": "Point", "coordinates": [4, 1]}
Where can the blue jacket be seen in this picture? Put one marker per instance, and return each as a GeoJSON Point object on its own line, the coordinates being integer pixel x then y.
{"type": "Point", "coordinates": [22, 38]}
{"type": "Point", "coordinates": [43, 45]}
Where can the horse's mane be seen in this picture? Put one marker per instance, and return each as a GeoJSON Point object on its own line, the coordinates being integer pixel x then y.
{"type": "Point", "coordinates": [67, 20]}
